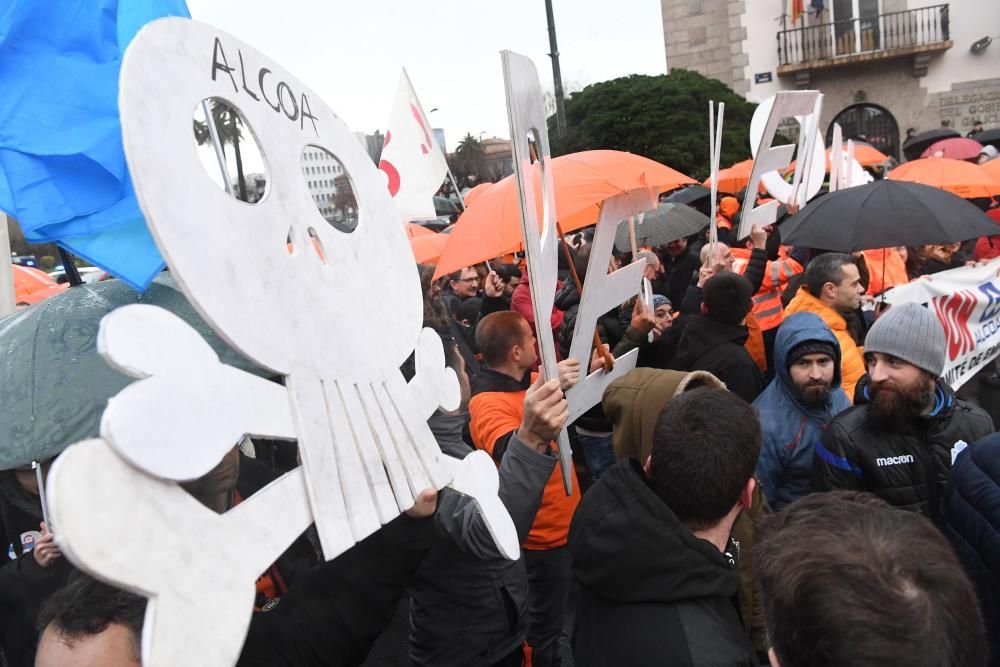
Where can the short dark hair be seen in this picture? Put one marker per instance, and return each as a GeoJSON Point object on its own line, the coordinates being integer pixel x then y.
{"type": "Point", "coordinates": [826, 268]}
{"type": "Point", "coordinates": [728, 297]}
{"type": "Point", "coordinates": [469, 309]}
{"type": "Point", "coordinates": [86, 607]}
{"type": "Point", "coordinates": [497, 334]}
{"type": "Point", "coordinates": [868, 583]}
{"type": "Point", "coordinates": [705, 448]}
{"type": "Point", "coordinates": [508, 271]}
{"type": "Point", "coordinates": [457, 275]}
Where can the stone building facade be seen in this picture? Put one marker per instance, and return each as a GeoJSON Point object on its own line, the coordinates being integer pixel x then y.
{"type": "Point", "coordinates": [883, 65]}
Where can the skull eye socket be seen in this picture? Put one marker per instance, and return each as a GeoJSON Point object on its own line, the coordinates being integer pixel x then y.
{"type": "Point", "coordinates": [231, 155]}
{"type": "Point", "coordinates": [330, 188]}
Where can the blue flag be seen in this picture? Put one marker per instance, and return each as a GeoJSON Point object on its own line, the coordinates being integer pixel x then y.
{"type": "Point", "coordinates": [63, 174]}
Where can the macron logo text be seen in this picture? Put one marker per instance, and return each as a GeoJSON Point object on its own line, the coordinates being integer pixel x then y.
{"type": "Point", "coordinates": [894, 460]}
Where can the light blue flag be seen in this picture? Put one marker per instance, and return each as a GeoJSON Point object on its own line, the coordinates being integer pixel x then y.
{"type": "Point", "coordinates": [63, 174]}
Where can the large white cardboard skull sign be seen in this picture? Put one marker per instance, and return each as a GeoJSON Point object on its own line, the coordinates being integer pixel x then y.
{"type": "Point", "coordinates": [335, 313]}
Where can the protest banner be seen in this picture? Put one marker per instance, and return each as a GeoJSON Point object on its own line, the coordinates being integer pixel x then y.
{"type": "Point", "coordinates": [967, 303]}
{"type": "Point", "coordinates": [361, 427]}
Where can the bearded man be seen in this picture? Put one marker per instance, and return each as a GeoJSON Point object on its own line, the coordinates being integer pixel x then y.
{"type": "Point", "coordinates": [796, 406]}
{"type": "Point", "coordinates": [899, 445]}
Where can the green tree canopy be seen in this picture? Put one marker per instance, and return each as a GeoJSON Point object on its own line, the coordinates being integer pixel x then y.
{"type": "Point", "coordinates": [664, 118]}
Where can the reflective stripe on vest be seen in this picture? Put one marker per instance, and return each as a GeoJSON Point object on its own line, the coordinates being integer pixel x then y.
{"type": "Point", "coordinates": [767, 306]}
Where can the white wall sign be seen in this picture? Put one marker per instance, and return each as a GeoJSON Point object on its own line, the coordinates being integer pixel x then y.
{"type": "Point", "coordinates": [361, 428]}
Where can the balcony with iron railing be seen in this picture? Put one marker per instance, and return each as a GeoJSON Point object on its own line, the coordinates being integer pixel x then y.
{"type": "Point", "coordinates": [915, 32]}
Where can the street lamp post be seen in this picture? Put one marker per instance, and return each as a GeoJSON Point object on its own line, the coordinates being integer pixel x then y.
{"type": "Point", "coordinates": [556, 74]}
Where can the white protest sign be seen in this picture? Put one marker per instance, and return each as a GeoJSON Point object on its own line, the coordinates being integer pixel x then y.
{"type": "Point", "coordinates": [770, 161]}
{"type": "Point", "coordinates": [412, 161]}
{"type": "Point", "coordinates": [274, 279]}
{"type": "Point", "coordinates": [526, 112]}
{"type": "Point", "coordinates": [966, 302]}
{"type": "Point", "coordinates": [714, 154]}
{"type": "Point", "coordinates": [602, 292]}
{"type": "Point", "coordinates": [836, 158]}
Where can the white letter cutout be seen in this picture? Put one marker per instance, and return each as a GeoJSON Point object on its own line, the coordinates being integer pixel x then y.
{"type": "Point", "coordinates": [770, 161]}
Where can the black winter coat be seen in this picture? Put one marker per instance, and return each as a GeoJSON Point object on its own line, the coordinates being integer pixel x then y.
{"type": "Point", "coordinates": [651, 593]}
{"type": "Point", "coordinates": [970, 518]}
{"type": "Point", "coordinates": [24, 585]}
{"type": "Point", "coordinates": [710, 345]}
{"type": "Point", "coordinates": [907, 468]}
{"type": "Point", "coordinates": [677, 273]}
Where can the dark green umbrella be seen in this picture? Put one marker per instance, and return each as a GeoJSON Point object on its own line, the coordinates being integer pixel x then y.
{"type": "Point", "coordinates": [53, 383]}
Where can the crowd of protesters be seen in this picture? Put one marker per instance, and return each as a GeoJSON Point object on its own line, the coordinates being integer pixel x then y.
{"type": "Point", "coordinates": [777, 481]}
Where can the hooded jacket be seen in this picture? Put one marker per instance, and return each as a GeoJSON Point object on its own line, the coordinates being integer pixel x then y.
{"type": "Point", "coordinates": [852, 364]}
{"type": "Point", "coordinates": [790, 429]}
{"type": "Point", "coordinates": [970, 520]}
{"type": "Point", "coordinates": [633, 403]}
{"type": "Point", "coordinates": [908, 468]}
{"type": "Point", "coordinates": [716, 347]}
{"type": "Point", "coordinates": [651, 593]}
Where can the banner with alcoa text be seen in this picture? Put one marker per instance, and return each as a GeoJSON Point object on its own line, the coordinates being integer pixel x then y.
{"type": "Point", "coordinates": [967, 303]}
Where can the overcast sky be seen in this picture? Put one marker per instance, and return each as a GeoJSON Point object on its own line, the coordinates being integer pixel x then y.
{"type": "Point", "coordinates": [351, 51]}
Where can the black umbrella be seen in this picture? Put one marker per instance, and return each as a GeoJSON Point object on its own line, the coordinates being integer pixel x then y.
{"type": "Point", "coordinates": [989, 137]}
{"type": "Point", "coordinates": [53, 383]}
{"type": "Point", "coordinates": [883, 214]}
{"type": "Point", "coordinates": [687, 195]}
{"type": "Point", "coordinates": [913, 147]}
{"type": "Point", "coordinates": [660, 226]}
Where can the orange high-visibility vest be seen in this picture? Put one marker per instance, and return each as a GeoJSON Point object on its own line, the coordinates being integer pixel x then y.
{"type": "Point", "coordinates": [894, 269]}
{"type": "Point", "coordinates": [767, 307]}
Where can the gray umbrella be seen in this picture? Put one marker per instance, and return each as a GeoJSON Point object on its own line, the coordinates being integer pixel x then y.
{"type": "Point", "coordinates": [664, 224]}
{"type": "Point", "coordinates": [53, 383]}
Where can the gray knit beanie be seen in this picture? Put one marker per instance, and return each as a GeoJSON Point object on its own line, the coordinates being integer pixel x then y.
{"type": "Point", "coordinates": [912, 333]}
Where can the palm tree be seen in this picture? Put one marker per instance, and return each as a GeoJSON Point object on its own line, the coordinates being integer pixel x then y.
{"type": "Point", "coordinates": [471, 156]}
{"type": "Point", "coordinates": [228, 123]}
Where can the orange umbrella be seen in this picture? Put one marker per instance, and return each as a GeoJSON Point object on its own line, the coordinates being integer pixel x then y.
{"type": "Point", "coordinates": [32, 285]}
{"type": "Point", "coordinates": [992, 168]}
{"type": "Point", "coordinates": [733, 179]}
{"type": "Point", "coordinates": [491, 225]}
{"type": "Point", "coordinates": [867, 156]}
{"type": "Point", "coordinates": [427, 249]}
{"type": "Point", "coordinates": [472, 194]}
{"type": "Point", "coordinates": [962, 178]}
{"type": "Point", "coordinates": [413, 231]}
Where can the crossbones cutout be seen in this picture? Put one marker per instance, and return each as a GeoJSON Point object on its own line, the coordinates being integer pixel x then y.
{"type": "Point", "coordinates": [361, 428]}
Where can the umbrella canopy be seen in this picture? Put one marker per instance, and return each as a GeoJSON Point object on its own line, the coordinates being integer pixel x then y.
{"type": "Point", "coordinates": [992, 168]}
{"type": "Point", "coordinates": [913, 147]}
{"type": "Point", "coordinates": [955, 148]}
{"type": "Point", "coordinates": [989, 137]}
{"type": "Point", "coordinates": [474, 193]}
{"type": "Point", "coordinates": [414, 231]}
{"type": "Point", "coordinates": [491, 225]}
{"type": "Point", "coordinates": [962, 178]}
{"type": "Point", "coordinates": [884, 214]}
{"type": "Point", "coordinates": [427, 249]}
{"type": "Point", "coordinates": [53, 383]}
{"type": "Point", "coordinates": [667, 223]}
{"type": "Point", "coordinates": [865, 154]}
{"type": "Point", "coordinates": [734, 178]}
{"type": "Point", "coordinates": [32, 285]}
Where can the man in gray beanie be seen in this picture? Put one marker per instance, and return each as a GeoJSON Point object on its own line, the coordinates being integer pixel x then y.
{"type": "Point", "coordinates": [898, 446]}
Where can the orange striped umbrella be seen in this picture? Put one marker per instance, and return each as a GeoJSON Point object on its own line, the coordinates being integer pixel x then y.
{"type": "Point", "coordinates": [413, 231]}
{"type": "Point", "coordinates": [992, 168]}
{"type": "Point", "coordinates": [491, 225]}
{"type": "Point", "coordinates": [962, 178]}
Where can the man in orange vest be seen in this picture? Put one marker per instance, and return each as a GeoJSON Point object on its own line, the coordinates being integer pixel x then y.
{"type": "Point", "coordinates": [507, 344]}
{"type": "Point", "coordinates": [767, 307]}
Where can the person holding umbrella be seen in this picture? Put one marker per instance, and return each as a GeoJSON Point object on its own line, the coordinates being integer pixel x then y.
{"type": "Point", "coordinates": [32, 566]}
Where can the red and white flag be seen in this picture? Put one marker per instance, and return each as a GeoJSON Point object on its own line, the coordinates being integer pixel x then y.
{"type": "Point", "coordinates": [412, 160]}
